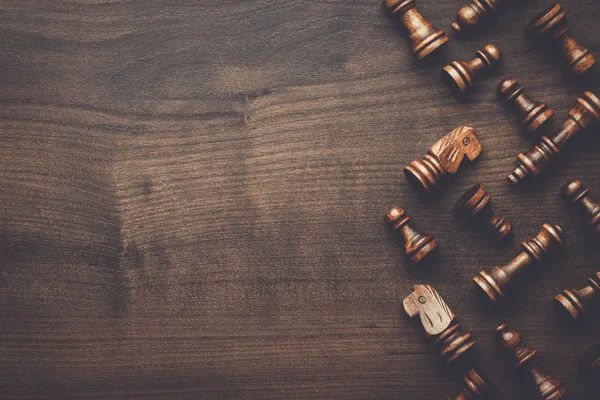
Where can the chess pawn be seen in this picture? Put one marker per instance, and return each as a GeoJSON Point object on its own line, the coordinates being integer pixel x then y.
{"type": "Point", "coordinates": [533, 114]}
{"type": "Point", "coordinates": [425, 38]}
{"type": "Point", "coordinates": [439, 322]}
{"type": "Point", "coordinates": [552, 23]}
{"type": "Point", "coordinates": [589, 366]}
{"type": "Point", "coordinates": [495, 283]}
{"type": "Point", "coordinates": [472, 16]}
{"type": "Point", "coordinates": [443, 159]}
{"type": "Point", "coordinates": [574, 302]}
{"type": "Point", "coordinates": [576, 194]}
{"type": "Point", "coordinates": [476, 386]}
{"type": "Point", "coordinates": [476, 203]}
{"type": "Point", "coordinates": [460, 76]}
{"type": "Point", "coordinates": [416, 246]}
{"type": "Point", "coordinates": [545, 386]}
{"type": "Point", "coordinates": [582, 116]}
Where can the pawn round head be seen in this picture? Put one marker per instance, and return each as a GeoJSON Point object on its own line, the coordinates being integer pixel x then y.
{"type": "Point", "coordinates": [573, 191]}
{"type": "Point", "coordinates": [467, 19]}
{"type": "Point", "coordinates": [490, 55]}
{"type": "Point", "coordinates": [509, 88]}
{"type": "Point", "coordinates": [396, 218]}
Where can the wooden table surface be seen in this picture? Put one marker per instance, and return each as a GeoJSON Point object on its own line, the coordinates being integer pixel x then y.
{"type": "Point", "coordinates": [192, 200]}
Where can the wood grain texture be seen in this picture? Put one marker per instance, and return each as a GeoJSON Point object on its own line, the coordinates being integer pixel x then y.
{"type": "Point", "coordinates": [193, 196]}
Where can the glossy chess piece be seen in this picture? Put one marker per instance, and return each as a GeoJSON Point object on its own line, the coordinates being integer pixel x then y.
{"type": "Point", "coordinates": [495, 283]}
{"type": "Point", "coordinates": [473, 15]}
{"type": "Point", "coordinates": [476, 386]}
{"type": "Point", "coordinates": [476, 203]}
{"type": "Point", "coordinates": [577, 195]}
{"type": "Point", "coordinates": [552, 24]}
{"type": "Point", "coordinates": [585, 114]}
{"type": "Point", "coordinates": [439, 322]}
{"type": "Point", "coordinates": [425, 38]}
{"type": "Point", "coordinates": [576, 302]}
{"type": "Point", "coordinates": [460, 76]}
{"type": "Point", "coordinates": [545, 386]}
{"type": "Point", "coordinates": [416, 246]}
{"type": "Point", "coordinates": [533, 114]}
{"type": "Point", "coordinates": [443, 158]}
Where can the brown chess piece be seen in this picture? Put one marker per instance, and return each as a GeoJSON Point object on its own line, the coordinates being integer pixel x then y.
{"type": "Point", "coordinates": [425, 38]}
{"type": "Point", "coordinates": [476, 203]}
{"type": "Point", "coordinates": [577, 195]}
{"type": "Point", "coordinates": [589, 367]}
{"type": "Point", "coordinates": [533, 114]}
{"type": "Point", "coordinates": [476, 386]}
{"type": "Point", "coordinates": [416, 246]}
{"type": "Point", "coordinates": [472, 16]}
{"type": "Point", "coordinates": [582, 116]}
{"type": "Point", "coordinates": [546, 387]}
{"type": "Point", "coordinates": [495, 283]}
{"type": "Point", "coordinates": [460, 76]}
{"type": "Point", "coordinates": [574, 302]}
{"type": "Point", "coordinates": [552, 24]}
{"type": "Point", "coordinates": [443, 159]}
{"type": "Point", "coordinates": [439, 322]}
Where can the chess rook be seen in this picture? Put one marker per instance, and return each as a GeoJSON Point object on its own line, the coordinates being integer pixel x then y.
{"type": "Point", "coordinates": [552, 24]}
{"type": "Point", "coordinates": [472, 16]}
{"type": "Point", "coordinates": [460, 76]}
{"type": "Point", "coordinates": [425, 38]}
{"type": "Point", "coordinates": [582, 116]}
{"type": "Point", "coordinates": [476, 203]}
{"type": "Point", "coordinates": [577, 195]}
{"type": "Point", "coordinates": [476, 386]}
{"type": "Point", "coordinates": [533, 114]}
{"type": "Point", "coordinates": [575, 302]}
{"type": "Point", "coordinates": [495, 283]}
{"type": "Point", "coordinates": [416, 246]}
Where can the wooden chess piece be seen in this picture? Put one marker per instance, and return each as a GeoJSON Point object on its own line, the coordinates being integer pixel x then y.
{"type": "Point", "coordinates": [472, 16]}
{"type": "Point", "coordinates": [476, 203]}
{"type": "Point", "coordinates": [425, 38]}
{"type": "Point", "coordinates": [546, 387]}
{"type": "Point", "coordinates": [576, 194]}
{"type": "Point", "coordinates": [495, 283]}
{"type": "Point", "coordinates": [552, 24]}
{"type": "Point", "coordinates": [589, 367]}
{"type": "Point", "coordinates": [439, 322]}
{"type": "Point", "coordinates": [533, 114]}
{"type": "Point", "coordinates": [582, 116]}
{"type": "Point", "coordinates": [476, 386]}
{"type": "Point", "coordinates": [416, 246]}
{"type": "Point", "coordinates": [442, 159]}
{"type": "Point", "coordinates": [574, 302]}
{"type": "Point", "coordinates": [460, 76]}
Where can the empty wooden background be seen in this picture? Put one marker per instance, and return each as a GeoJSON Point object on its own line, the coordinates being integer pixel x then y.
{"type": "Point", "coordinates": [192, 199]}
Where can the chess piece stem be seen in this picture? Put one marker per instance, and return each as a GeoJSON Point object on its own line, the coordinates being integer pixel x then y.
{"type": "Point", "coordinates": [416, 246]}
{"type": "Point", "coordinates": [476, 386]}
{"type": "Point", "coordinates": [476, 203]}
{"type": "Point", "coordinates": [460, 76]}
{"type": "Point", "coordinates": [533, 114]}
{"type": "Point", "coordinates": [574, 302]}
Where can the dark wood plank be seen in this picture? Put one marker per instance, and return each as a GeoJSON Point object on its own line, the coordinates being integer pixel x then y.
{"type": "Point", "coordinates": [194, 191]}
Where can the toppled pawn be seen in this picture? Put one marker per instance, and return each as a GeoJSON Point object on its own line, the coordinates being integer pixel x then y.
{"type": "Point", "coordinates": [439, 322]}
{"type": "Point", "coordinates": [584, 115]}
{"type": "Point", "coordinates": [577, 195]}
{"type": "Point", "coordinates": [476, 203]}
{"type": "Point", "coordinates": [443, 159]}
{"type": "Point", "coordinates": [495, 283]}
{"type": "Point", "coordinates": [476, 386]}
{"type": "Point", "coordinates": [533, 114]}
{"type": "Point", "coordinates": [416, 246]}
{"type": "Point", "coordinates": [425, 38]}
{"type": "Point", "coordinates": [472, 16]}
{"type": "Point", "coordinates": [460, 76]}
{"type": "Point", "coordinates": [552, 24]}
{"type": "Point", "coordinates": [575, 302]}
{"type": "Point", "coordinates": [545, 386]}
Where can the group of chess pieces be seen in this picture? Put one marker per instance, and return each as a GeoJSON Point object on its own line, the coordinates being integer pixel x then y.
{"type": "Point", "coordinates": [446, 156]}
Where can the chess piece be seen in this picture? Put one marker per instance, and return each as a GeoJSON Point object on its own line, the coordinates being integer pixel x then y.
{"type": "Point", "coordinates": [476, 386]}
{"type": "Point", "coordinates": [442, 159]}
{"type": "Point", "coordinates": [460, 76]}
{"type": "Point", "coordinates": [476, 203]}
{"type": "Point", "coordinates": [546, 387]}
{"type": "Point", "coordinates": [552, 24]}
{"type": "Point", "coordinates": [582, 116]}
{"type": "Point", "coordinates": [533, 113]}
{"type": "Point", "coordinates": [425, 38]}
{"type": "Point", "coordinates": [495, 283]}
{"type": "Point", "coordinates": [576, 194]}
{"type": "Point", "coordinates": [589, 367]}
{"type": "Point", "coordinates": [472, 16]}
{"type": "Point", "coordinates": [575, 302]}
{"type": "Point", "coordinates": [438, 321]}
{"type": "Point", "coordinates": [416, 246]}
